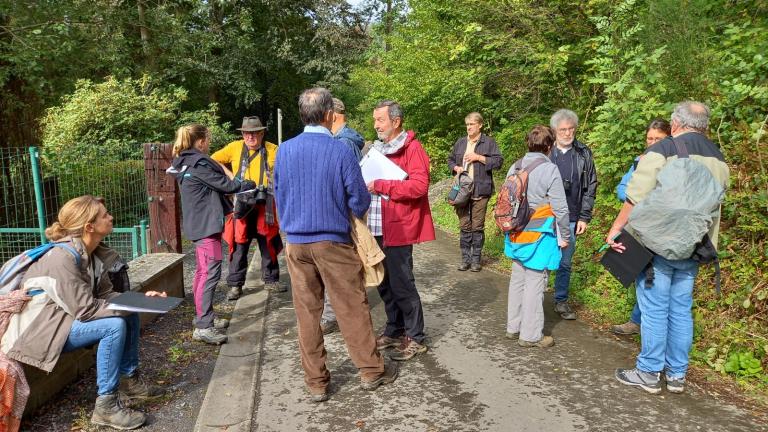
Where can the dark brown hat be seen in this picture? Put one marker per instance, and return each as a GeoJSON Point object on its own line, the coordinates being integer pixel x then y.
{"type": "Point", "coordinates": [251, 124]}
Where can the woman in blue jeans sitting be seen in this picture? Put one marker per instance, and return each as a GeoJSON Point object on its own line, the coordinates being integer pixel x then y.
{"type": "Point", "coordinates": [68, 290]}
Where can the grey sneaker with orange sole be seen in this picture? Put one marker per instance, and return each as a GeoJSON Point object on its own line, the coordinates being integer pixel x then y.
{"type": "Point", "coordinates": [383, 342]}
{"type": "Point", "coordinates": [408, 350]}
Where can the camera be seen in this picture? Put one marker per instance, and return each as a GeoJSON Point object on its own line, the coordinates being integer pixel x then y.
{"type": "Point", "coordinates": [259, 196]}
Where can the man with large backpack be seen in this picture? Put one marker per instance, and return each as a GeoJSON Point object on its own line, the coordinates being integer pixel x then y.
{"type": "Point", "coordinates": [666, 297]}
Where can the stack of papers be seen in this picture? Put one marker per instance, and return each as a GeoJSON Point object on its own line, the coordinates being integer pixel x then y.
{"type": "Point", "coordinates": [376, 166]}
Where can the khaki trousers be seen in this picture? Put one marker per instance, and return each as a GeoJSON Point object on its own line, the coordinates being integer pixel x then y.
{"type": "Point", "coordinates": [472, 215]}
{"type": "Point", "coordinates": [336, 267]}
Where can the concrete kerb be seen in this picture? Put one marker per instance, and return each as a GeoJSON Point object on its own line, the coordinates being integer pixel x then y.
{"type": "Point", "coordinates": [229, 402]}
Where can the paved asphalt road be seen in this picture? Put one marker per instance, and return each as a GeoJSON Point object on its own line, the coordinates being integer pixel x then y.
{"type": "Point", "coordinates": [473, 378]}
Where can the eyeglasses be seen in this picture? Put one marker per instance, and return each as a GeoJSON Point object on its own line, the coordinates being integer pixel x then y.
{"type": "Point", "coordinates": [570, 129]}
{"type": "Point", "coordinates": [250, 132]}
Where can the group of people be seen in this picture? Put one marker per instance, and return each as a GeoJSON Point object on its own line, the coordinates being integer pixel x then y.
{"type": "Point", "coordinates": [327, 275]}
{"type": "Point", "coordinates": [314, 186]}
{"type": "Point", "coordinates": [561, 189]}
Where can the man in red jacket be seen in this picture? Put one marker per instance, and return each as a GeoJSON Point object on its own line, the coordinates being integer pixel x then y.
{"type": "Point", "coordinates": [399, 218]}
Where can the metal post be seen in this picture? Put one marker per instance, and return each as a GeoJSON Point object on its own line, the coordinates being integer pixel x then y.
{"type": "Point", "coordinates": [143, 236]}
{"type": "Point", "coordinates": [135, 239]}
{"type": "Point", "coordinates": [38, 184]}
{"type": "Point", "coordinates": [279, 126]}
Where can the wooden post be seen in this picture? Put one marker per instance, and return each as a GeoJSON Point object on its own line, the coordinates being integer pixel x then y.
{"type": "Point", "coordinates": [163, 196]}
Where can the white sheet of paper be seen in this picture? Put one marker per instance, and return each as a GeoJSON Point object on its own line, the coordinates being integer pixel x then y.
{"type": "Point", "coordinates": [376, 166]}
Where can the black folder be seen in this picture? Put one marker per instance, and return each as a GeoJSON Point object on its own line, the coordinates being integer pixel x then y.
{"type": "Point", "coordinates": [625, 267]}
{"type": "Point", "coordinates": [138, 302]}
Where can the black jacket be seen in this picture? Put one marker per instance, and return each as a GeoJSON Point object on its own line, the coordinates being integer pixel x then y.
{"type": "Point", "coordinates": [585, 165]}
{"type": "Point", "coordinates": [483, 178]}
{"type": "Point", "coordinates": [203, 184]}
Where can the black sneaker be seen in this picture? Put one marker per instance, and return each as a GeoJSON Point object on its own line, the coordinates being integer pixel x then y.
{"type": "Point", "coordinates": [650, 382]}
{"type": "Point", "coordinates": [463, 266]}
{"type": "Point", "coordinates": [565, 311]}
{"type": "Point", "coordinates": [675, 385]}
{"type": "Point", "coordinates": [475, 267]}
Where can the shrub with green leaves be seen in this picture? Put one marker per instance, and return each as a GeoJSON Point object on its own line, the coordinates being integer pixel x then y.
{"type": "Point", "coordinates": [109, 121]}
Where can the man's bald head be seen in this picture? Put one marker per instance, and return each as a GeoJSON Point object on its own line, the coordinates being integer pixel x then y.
{"type": "Point", "coordinates": [691, 115]}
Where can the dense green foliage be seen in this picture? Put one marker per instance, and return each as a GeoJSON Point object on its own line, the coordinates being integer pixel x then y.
{"type": "Point", "coordinates": [249, 56]}
{"type": "Point", "coordinates": [619, 65]}
{"type": "Point", "coordinates": [110, 121]}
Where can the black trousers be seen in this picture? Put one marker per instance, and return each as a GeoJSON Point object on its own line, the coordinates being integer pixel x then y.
{"type": "Point", "coordinates": [398, 290]}
{"type": "Point", "coordinates": [238, 265]}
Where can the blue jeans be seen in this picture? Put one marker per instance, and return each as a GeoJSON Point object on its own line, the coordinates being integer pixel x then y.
{"type": "Point", "coordinates": [563, 274]}
{"type": "Point", "coordinates": [118, 352]}
{"type": "Point", "coordinates": [666, 332]}
{"type": "Point", "coordinates": [635, 317]}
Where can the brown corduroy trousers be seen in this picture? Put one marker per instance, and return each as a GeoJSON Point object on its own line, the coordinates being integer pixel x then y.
{"type": "Point", "coordinates": [336, 267]}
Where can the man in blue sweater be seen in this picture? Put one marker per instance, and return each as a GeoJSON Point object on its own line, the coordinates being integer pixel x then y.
{"type": "Point", "coordinates": [317, 184]}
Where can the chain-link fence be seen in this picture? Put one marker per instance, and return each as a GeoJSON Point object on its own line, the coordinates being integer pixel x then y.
{"type": "Point", "coordinates": [31, 193]}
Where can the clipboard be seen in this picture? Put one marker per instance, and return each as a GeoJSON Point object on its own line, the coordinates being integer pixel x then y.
{"type": "Point", "coordinates": [138, 302]}
{"type": "Point", "coordinates": [376, 166]}
{"type": "Point", "coordinates": [625, 267]}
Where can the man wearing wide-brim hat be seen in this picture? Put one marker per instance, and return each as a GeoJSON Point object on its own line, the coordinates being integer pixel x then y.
{"type": "Point", "coordinates": [251, 158]}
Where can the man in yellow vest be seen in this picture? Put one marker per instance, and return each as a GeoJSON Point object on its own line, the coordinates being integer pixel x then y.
{"type": "Point", "coordinates": [251, 158]}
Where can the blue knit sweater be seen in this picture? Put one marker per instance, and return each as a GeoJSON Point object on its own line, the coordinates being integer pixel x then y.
{"type": "Point", "coordinates": [317, 182]}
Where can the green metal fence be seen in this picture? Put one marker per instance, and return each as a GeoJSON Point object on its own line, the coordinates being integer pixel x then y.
{"type": "Point", "coordinates": [31, 193]}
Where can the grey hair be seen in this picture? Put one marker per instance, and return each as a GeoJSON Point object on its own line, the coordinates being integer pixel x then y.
{"type": "Point", "coordinates": [562, 115]}
{"type": "Point", "coordinates": [474, 116]}
{"type": "Point", "coordinates": [338, 106]}
{"type": "Point", "coordinates": [313, 104]}
{"type": "Point", "coordinates": [691, 115]}
{"type": "Point", "coordinates": [393, 109]}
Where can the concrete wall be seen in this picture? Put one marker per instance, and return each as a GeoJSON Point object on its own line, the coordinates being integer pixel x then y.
{"type": "Point", "coordinates": [157, 272]}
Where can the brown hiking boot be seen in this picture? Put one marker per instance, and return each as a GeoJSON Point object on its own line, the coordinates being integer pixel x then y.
{"type": "Point", "coordinates": [408, 350]}
{"type": "Point", "coordinates": [328, 327]}
{"type": "Point", "coordinates": [544, 342]}
{"type": "Point", "coordinates": [136, 388]}
{"type": "Point", "coordinates": [109, 411]}
{"type": "Point", "coordinates": [628, 328]}
{"type": "Point", "coordinates": [318, 396]}
{"type": "Point", "coordinates": [383, 342]}
{"type": "Point", "coordinates": [387, 377]}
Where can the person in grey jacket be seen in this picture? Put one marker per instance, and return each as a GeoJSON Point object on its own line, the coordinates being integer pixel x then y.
{"type": "Point", "coordinates": [537, 248]}
{"type": "Point", "coordinates": [203, 183]}
{"type": "Point", "coordinates": [67, 309]}
{"type": "Point", "coordinates": [478, 155]}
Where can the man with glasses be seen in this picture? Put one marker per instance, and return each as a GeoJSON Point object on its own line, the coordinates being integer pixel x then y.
{"type": "Point", "coordinates": [251, 158]}
{"type": "Point", "coordinates": [577, 168]}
